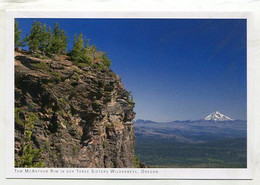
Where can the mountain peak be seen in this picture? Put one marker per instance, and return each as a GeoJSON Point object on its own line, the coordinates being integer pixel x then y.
{"type": "Point", "coordinates": [217, 116]}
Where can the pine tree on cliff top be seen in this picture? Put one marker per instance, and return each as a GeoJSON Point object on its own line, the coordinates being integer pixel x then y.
{"type": "Point", "coordinates": [60, 41]}
{"type": "Point", "coordinates": [17, 41]}
{"type": "Point", "coordinates": [77, 49]}
{"type": "Point", "coordinates": [44, 39]}
{"type": "Point", "coordinates": [35, 37]}
{"type": "Point", "coordinates": [49, 41]}
{"type": "Point", "coordinates": [64, 42]}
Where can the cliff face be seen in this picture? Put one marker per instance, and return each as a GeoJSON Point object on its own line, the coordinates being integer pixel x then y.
{"type": "Point", "coordinates": [71, 115]}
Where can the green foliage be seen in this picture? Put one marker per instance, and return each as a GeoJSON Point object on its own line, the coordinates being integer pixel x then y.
{"type": "Point", "coordinates": [97, 57]}
{"type": "Point", "coordinates": [18, 119]}
{"type": "Point", "coordinates": [31, 120]}
{"type": "Point", "coordinates": [158, 152]}
{"type": "Point", "coordinates": [59, 40]}
{"type": "Point", "coordinates": [41, 65]}
{"type": "Point", "coordinates": [49, 41]}
{"type": "Point", "coordinates": [17, 38]}
{"type": "Point", "coordinates": [63, 101]}
{"type": "Point", "coordinates": [130, 98]}
{"type": "Point", "coordinates": [64, 42]}
{"type": "Point", "coordinates": [66, 123]}
{"type": "Point", "coordinates": [35, 37]}
{"type": "Point", "coordinates": [81, 64]}
{"type": "Point", "coordinates": [76, 69]}
{"type": "Point", "coordinates": [105, 143]}
{"type": "Point", "coordinates": [99, 66]}
{"type": "Point", "coordinates": [106, 61]}
{"type": "Point", "coordinates": [82, 52]}
{"type": "Point", "coordinates": [79, 53]}
{"type": "Point", "coordinates": [30, 157]}
{"type": "Point", "coordinates": [137, 162]}
{"type": "Point", "coordinates": [57, 75]}
{"type": "Point", "coordinates": [61, 112]}
{"type": "Point", "coordinates": [27, 135]}
{"type": "Point", "coordinates": [78, 44]}
{"type": "Point", "coordinates": [45, 67]}
{"type": "Point", "coordinates": [43, 41]}
{"type": "Point", "coordinates": [109, 125]}
{"type": "Point", "coordinates": [75, 150]}
{"type": "Point", "coordinates": [37, 55]}
{"type": "Point", "coordinates": [17, 34]}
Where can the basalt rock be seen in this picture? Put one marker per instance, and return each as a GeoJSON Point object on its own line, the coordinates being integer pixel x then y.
{"type": "Point", "coordinates": [83, 114]}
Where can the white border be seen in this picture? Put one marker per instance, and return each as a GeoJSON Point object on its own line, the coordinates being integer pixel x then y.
{"type": "Point", "coordinates": [163, 173]}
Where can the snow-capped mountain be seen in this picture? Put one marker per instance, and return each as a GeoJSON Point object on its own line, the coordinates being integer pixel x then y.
{"type": "Point", "coordinates": [217, 116]}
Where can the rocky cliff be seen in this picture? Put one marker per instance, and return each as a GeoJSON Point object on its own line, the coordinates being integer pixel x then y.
{"type": "Point", "coordinates": [71, 115]}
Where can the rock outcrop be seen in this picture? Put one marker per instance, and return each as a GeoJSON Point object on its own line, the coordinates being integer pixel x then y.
{"type": "Point", "coordinates": [71, 115]}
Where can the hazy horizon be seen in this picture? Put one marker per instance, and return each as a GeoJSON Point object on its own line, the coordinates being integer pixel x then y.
{"type": "Point", "coordinates": [189, 119]}
{"type": "Point", "coordinates": [176, 69]}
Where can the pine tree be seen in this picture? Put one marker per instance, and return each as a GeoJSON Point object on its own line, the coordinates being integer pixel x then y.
{"type": "Point", "coordinates": [17, 41]}
{"type": "Point", "coordinates": [44, 40]}
{"type": "Point", "coordinates": [56, 42]}
{"type": "Point", "coordinates": [49, 41]}
{"type": "Point", "coordinates": [64, 42]}
{"type": "Point", "coordinates": [78, 46]}
{"type": "Point", "coordinates": [60, 41]}
{"type": "Point", "coordinates": [85, 57]}
{"type": "Point", "coordinates": [34, 39]}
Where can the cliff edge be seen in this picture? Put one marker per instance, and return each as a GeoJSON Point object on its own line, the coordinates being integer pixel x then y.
{"type": "Point", "coordinates": [71, 115]}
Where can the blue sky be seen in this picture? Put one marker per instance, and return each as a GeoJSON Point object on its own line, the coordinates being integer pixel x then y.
{"type": "Point", "coordinates": [176, 69]}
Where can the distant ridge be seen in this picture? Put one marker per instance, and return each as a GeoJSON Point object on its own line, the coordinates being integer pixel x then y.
{"type": "Point", "coordinates": [217, 116]}
{"type": "Point", "coordinates": [144, 121]}
{"type": "Point", "coordinates": [140, 121]}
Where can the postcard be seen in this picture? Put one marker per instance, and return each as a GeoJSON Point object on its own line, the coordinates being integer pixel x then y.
{"type": "Point", "coordinates": [115, 96]}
